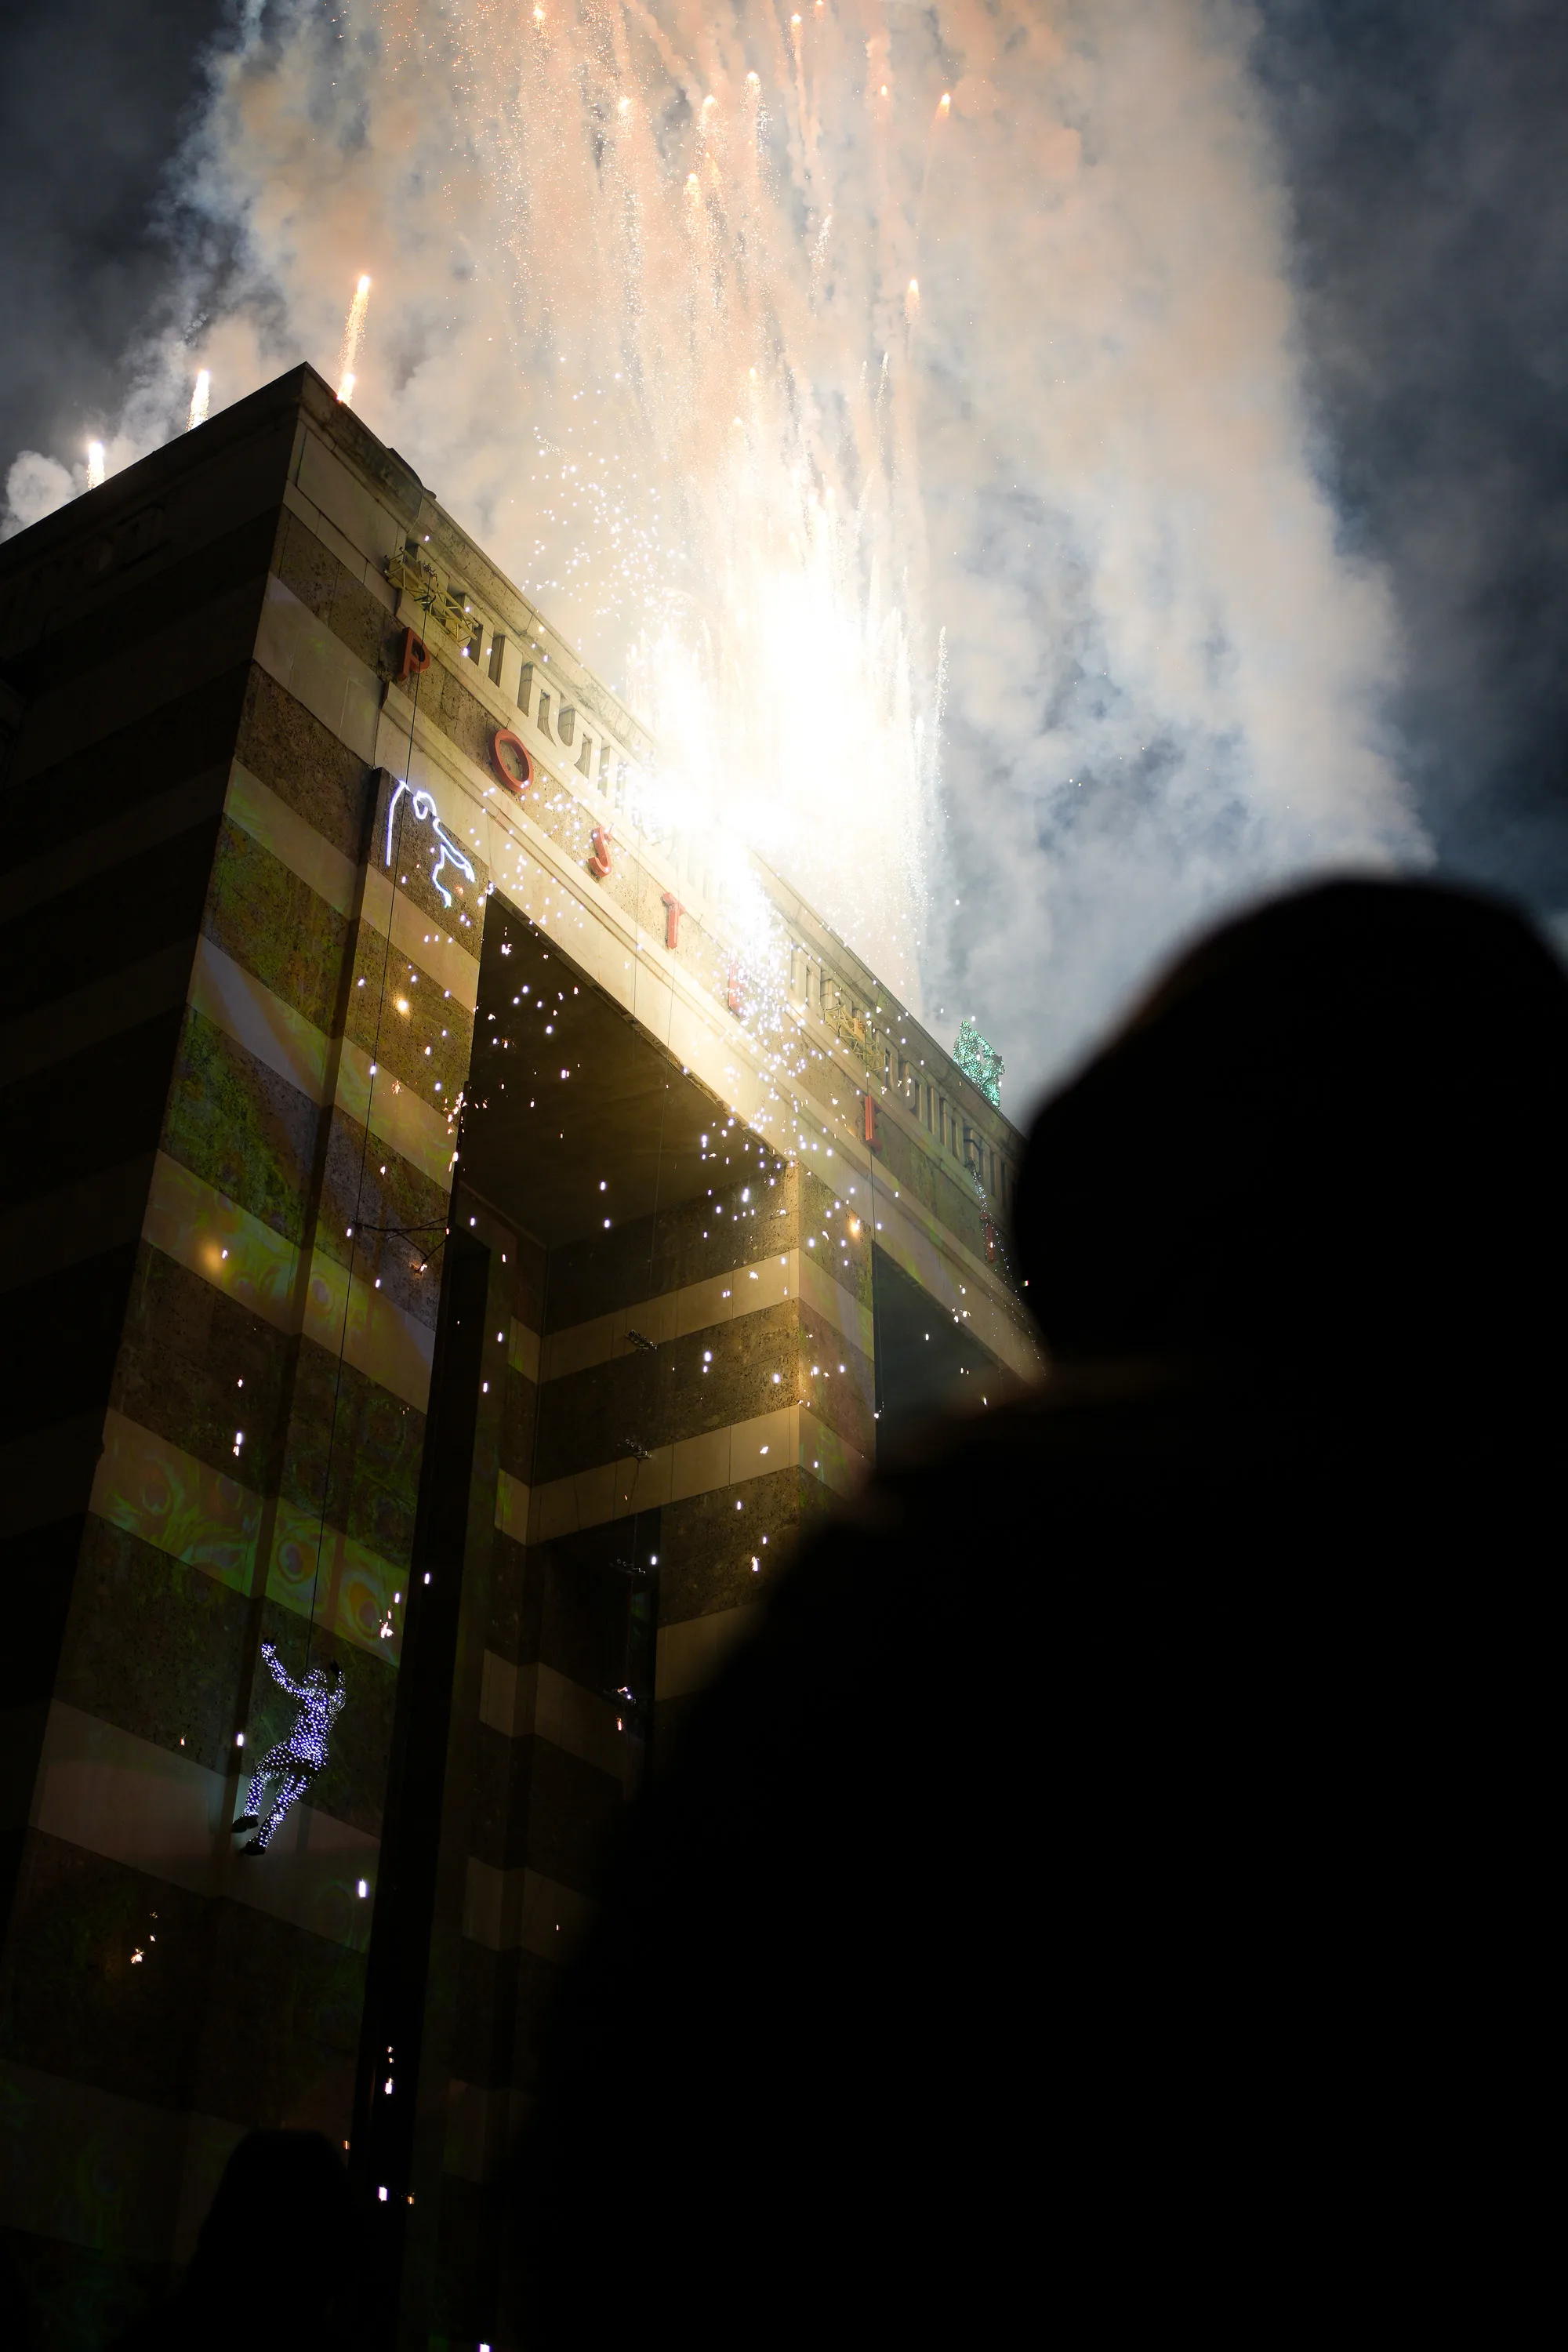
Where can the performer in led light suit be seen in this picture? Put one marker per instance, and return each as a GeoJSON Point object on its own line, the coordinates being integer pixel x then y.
{"type": "Point", "coordinates": [295, 1761]}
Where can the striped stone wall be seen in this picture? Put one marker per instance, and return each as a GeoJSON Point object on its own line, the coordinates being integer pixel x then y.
{"type": "Point", "coordinates": [608, 1571]}
{"type": "Point", "coordinates": [126, 634]}
{"type": "Point", "coordinates": [207, 1086]}
{"type": "Point", "coordinates": [549, 1755]}
{"type": "Point", "coordinates": [755, 1408]}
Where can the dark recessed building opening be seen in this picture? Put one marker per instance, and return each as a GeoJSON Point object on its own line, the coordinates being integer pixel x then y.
{"type": "Point", "coordinates": [928, 1363]}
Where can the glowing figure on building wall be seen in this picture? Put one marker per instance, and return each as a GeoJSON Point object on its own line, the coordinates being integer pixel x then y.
{"type": "Point", "coordinates": [295, 1761]}
{"type": "Point", "coordinates": [446, 849]}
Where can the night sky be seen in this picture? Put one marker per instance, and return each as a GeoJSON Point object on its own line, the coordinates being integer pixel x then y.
{"type": "Point", "coordinates": [1425, 157]}
{"type": "Point", "coordinates": [1423, 149]}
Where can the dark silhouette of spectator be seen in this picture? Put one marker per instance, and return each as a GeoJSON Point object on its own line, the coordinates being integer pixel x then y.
{"type": "Point", "coordinates": [279, 2263]}
{"type": "Point", "coordinates": [15, 2332]}
{"type": "Point", "coordinates": [1109, 1896]}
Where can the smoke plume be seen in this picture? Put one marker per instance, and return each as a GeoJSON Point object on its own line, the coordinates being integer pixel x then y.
{"type": "Point", "coordinates": [900, 405]}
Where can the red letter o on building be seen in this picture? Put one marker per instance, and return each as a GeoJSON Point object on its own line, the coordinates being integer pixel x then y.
{"type": "Point", "coordinates": [518, 784]}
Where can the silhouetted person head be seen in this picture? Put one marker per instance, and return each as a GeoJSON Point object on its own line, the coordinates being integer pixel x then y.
{"type": "Point", "coordinates": [1103, 1891]}
{"type": "Point", "coordinates": [1332, 1141]}
{"type": "Point", "coordinates": [288, 2190]}
{"type": "Point", "coordinates": [279, 2256]}
{"type": "Point", "coordinates": [14, 2330]}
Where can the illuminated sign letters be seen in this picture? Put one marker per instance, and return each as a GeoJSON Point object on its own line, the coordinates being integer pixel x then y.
{"type": "Point", "coordinates": [520, 781]}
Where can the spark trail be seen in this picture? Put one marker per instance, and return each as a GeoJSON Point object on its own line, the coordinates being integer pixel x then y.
{"type": "Point", "coordinates": [348, 350]}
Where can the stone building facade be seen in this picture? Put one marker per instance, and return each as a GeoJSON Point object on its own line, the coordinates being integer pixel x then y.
{"type": "Point", "coordinates": [423, 1258]}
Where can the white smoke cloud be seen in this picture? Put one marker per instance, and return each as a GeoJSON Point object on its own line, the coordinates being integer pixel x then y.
{"type": "Point", "coordinates": [1167, 680]}
{"type": "Point", "coordinates": [34, 486]}
{"type": "Point", "coordinates": [643, 316]}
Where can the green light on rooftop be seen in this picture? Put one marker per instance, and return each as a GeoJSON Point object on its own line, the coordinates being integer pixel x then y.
{"type": "Point", "coordinates": [979, 1061]}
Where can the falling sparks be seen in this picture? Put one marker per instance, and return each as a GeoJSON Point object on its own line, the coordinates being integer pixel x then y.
{"type": "Point", "coordinates": [727, 538]}
{"type": "Point", "coordinates": [201, 393]}
{"type": "Point", "coordinates": [347, 350]}
{"type": "Point", "coordinates": [94, 465]}
{"type": "Point", "coordinates": [716, 504]}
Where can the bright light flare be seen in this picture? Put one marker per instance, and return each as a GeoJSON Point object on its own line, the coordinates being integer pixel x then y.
{"type": "Point", "coordinates": [94, 465]}
{"type": "Point", "coordinates": [348, 350]}
{"type": "Point", "coordinates": [721, 503]}
{"type": "Point", "coordinates": [201, 395]}
{"type": "Point", "coordinates": [748, 761]}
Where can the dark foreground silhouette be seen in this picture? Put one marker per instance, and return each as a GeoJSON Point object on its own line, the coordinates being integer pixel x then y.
{"type": "Point", "coordinates": [1110, 1894]}
{"type": "Point", "coordinates": [279, 2263]}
